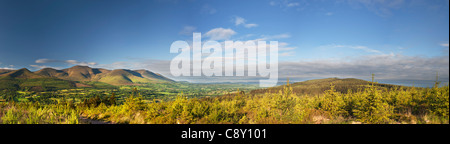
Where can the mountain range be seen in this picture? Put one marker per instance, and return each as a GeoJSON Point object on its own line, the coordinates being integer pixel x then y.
{"type": "Point", "coordinates": [80, 75]}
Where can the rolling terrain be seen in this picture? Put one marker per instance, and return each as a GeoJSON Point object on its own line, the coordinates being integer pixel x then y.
{"type": "Point", "coordinates": [77, 76]}
{"type": "Point", "coordinates": [319, 86]}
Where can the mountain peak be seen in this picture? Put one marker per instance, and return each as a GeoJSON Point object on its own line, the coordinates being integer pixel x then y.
{"type": "Point", "coordinates": [22, 73]}
{"type": "Point", "coordinates": [141, 70]}
{"type": "Point", "coordinates": [80, 66]}
{"type": "Point", "coordinates": [50, 72]}
{"type": "Point", "coordinates": [86, 73]}
{"type": "Point", "coordinates": [47, 69]}
{"type": "Point", "coordinates": [24, 70]}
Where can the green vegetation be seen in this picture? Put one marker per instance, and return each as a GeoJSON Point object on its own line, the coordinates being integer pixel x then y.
{"type": "Point", "coordinates": [34, 84]}
{"type": "Point", "coordinates": [35, 113]}
{"type": "Point", "coordinates": [149, 92]}
{"type": "Point", "coordinates": [370, 103]}
{"type": "Point", "coordinates": [319, 86]}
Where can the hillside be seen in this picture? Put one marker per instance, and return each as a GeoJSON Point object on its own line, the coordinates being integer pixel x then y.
{"type": "Point", "coordinates": [123, 77]}
{"type": "Point", "coordinates": [154, 76]}
{"type": "Point", "coordinates": [25, 79]}
{"type": "Point", "coordinates": [82, 73]}
{"type": "Point", "coordinates": [50, 72]}
{"type": "Point", "coordinates": [318, 86]}
{"type": "Point", "coordinates": [22, 73]}
{"type": "Point", "coordinates": [77, 76]}
{"type": "Point", "coordinates": [3, 71]}
{"type": "Point", "coordinates": [113, 77]}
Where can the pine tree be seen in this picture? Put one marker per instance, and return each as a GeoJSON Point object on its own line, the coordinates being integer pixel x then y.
{"type": "Point", "coordinates": [437, 82]}
{"type": "Point", "coordinates": [372, 108]}
{"type": "Point", "coordinates": [112, 99]}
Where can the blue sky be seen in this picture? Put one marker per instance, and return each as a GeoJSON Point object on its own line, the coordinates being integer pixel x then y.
{"type": "Point", "coordinates": [135, 34]}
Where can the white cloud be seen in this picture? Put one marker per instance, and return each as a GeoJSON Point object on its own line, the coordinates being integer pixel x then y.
{"type": "Point", "coordinates": [444, 44]}
{"type": "Point", "coordinates": [188, 30]}
{"type": "Point", "coordinates": [285, 54]}
{"type": "Point", "coordinates": [274, 37]}
{"type": "Point", "coordinates": [220, 34]}
{"type": "Point", "coordinates": [286, 48]}
{"type": "Point", "coordinates": [8, 68]}
{"type": "Point", "coordinates": [289, 4]}
{"type": "Point", "coordinates": [250, 25]}
{"type": "Point", "coordinates": [391, 66]}
{"type": "Point", "coordinates": [384, 66]}
{"type": "Point", "coordinates": [46, 61]}
{"type": "Point", "coordinates": [273, 3]}
{"type": "Point", "coordinates": [380, 7]}
{"type": "Point", "coordinates": [282, 46]}
{"type": "Point", "coordinates": [122, 65]}
{"type": "Point", "coordinates": [241, 21]}
{"type": "Point", "coordinates": [357, 47]}
{"type": "Point", "coordinates": [74, 62]}
{"type": "Point", "coordinates": [293, 4]}
{"type": "Point", "coordinates": [44, 66]}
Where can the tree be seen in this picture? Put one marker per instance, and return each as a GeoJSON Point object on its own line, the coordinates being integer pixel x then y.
{"type": "Point", "coordinates": [437, 82]}
{"type": "Point", "coordinates": [371, 108]}
{"type": "Point", "coordinates": [112, 99]}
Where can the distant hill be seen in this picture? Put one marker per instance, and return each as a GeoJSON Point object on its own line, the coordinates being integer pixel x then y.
{"type": "Point", "coordinates": [154, 76]}
{"type": "Point", "coordinates": [25, 79]}
{"type": "Point", "coordinates": [22, 73]}
{"type": "Point", "coordinates": [50, 72]}
{"type": "Point", "coordinates": [81, 76]}
{"type": "Point", "coordinates": [3, 71]}
{"type": "Point", "coordinates": [124, 77]}
{"type": "Point", "coordinates": [319, 86]}
{"type": "Point", "coordinates": [82, 73]}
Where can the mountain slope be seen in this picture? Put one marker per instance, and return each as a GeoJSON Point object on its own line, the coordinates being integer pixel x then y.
{"type": "Point", "coordinates": [80, 75]}
{"type": "Point", "coordinates": [114, 77]}
{"type": "Point", "coordinates": [50, 72]}
{"type": "Point", "coordinates": [25, 79]}
{"type": "Point", "coordinates": [22, 73]}
{"type": "Point", "coordinates": [123, 77]}
{"type": "Point", "coordinates": [153, 76]}
{"type": "Point", "coordinates": [3, 71]}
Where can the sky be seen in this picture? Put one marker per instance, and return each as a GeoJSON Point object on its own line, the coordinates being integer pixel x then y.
{"type": "Point", "coordinates": [395, 39]}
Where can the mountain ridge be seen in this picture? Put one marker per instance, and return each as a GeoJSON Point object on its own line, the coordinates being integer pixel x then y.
{"type": "Point", "coordinates": [319, 86]}
{"type": "Point", "coordinates": [87, 74]}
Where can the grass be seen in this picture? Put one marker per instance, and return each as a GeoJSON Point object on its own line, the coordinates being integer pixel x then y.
{"type": "Point", "coordinates": [35, 84]}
